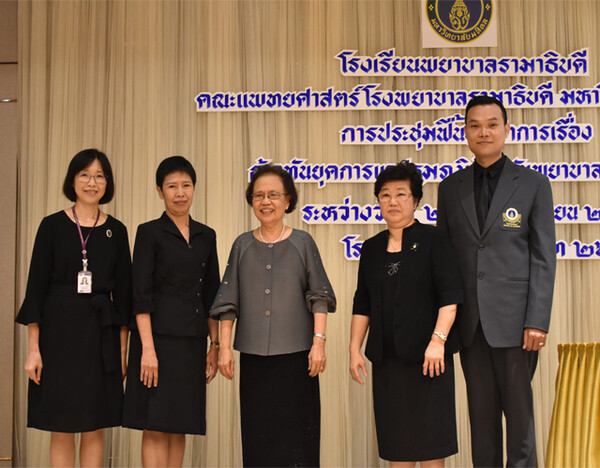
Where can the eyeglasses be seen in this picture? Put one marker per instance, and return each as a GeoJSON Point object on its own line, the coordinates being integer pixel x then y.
{"type": "Point", "coordinates": [85, 178]}
{"type": "Point", "coordinates": [387, 197]}
{"type": "Point", "coordinates": [260, 196]}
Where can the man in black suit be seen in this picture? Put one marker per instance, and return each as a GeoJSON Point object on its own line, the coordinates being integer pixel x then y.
{"type": "Point", "coordinates": [500, 219]}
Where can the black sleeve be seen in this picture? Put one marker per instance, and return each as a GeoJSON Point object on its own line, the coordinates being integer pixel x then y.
{"type": "Point", "coordinates": [122, 290]}
{"type": "Point", "coordinates": [212, 278]}
{"type": "Point", "coordinates": [446, 275]}
{"type": "Point", "coordinates": [40, 272]}
{"type": "Point", "coordinates": [442, 219]}
{"type": "Point", "coordinates": [362, 301]}
{"type": "Point", "coordinates": [226, 305]}
{"type": "Point", "coordinates": [143, 271]}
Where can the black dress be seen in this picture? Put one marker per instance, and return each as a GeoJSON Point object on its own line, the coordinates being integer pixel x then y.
{"type": "Point", "coordinates": [175, 282]}
{"type": "Point", "coordinates": [81, 385]}
{"type": "Point", "coordinates": [402, 293]}
{"type": "Point", "coordinates": [414, 414]}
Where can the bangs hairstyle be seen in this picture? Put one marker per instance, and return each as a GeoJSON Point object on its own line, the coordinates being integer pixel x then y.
{"type": "Point", "coordinates": [404, 170]}
{"type": "Point", "coordinates": [81, 161]}
{"type": "Point", "coordinates": [286, 178]}
{"type": "Point", "coordinates": [174, 164]}
{"type": "Point", "coordinates": [483, 100]}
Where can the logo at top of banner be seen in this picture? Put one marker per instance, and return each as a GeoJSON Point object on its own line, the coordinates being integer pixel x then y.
{"type": "Point", "coordinates": [459, 21]}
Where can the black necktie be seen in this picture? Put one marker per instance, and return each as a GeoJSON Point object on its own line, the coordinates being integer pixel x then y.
{"type": "Point", "coordinates": [484, 200]}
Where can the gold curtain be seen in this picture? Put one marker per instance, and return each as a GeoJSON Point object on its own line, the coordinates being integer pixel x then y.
{"type": "Point", "coordinates": [575, 429]}
{"type": "Point", "coordinates": [122, 75]}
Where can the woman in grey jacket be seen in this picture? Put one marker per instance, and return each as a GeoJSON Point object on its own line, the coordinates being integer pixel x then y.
{"type": "Point", "coordinates": [277, 289]}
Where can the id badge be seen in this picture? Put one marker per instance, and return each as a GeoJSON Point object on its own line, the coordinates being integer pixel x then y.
{"type": "Point", "coordinates": [84, 282]}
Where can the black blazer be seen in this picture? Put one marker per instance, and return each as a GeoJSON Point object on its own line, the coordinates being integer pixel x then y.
{"type": "Point", "coordinates": [174, 281]}
{"type": "Point", "coordinates": [429, 279]}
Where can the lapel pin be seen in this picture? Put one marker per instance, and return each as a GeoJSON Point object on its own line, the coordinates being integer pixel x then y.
{"type": "Point", "coordinates": [511, 218]}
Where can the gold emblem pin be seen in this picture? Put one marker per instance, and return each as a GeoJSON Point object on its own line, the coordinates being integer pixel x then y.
{"type": "Point", "coordinates": [511, 218]}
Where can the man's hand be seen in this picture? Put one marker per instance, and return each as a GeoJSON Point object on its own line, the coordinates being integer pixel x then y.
{"type": "Point", "coordinates": [534, 339]}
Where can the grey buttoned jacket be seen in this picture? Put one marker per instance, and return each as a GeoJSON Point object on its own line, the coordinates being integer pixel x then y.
{"type": "Point", "coordinates": [273, 289]}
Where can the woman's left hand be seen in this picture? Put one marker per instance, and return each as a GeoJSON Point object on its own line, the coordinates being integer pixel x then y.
{"type": "Point", "coordinates": [212, 359]}
{"type": "Point", "coordinates": [434, 358]}
{"type": "Point", "coordinates": [124, 365]}
{"type": "Point", "coordinates": [316, 358]}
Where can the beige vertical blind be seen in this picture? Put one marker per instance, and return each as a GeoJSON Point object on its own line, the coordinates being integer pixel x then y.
{"type": "Point", "coordinates": [121, 76]}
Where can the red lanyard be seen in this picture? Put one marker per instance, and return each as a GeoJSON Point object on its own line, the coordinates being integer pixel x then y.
{"type": "Point", "coordinates": [84, 242]}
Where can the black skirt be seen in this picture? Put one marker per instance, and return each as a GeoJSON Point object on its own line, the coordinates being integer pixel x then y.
{"type": "Point", "coordinates": [280, 411]}
{"type": "Point", "coordinates": [415, 415]}
{"type": "Point", "coordinates": [178, 404]}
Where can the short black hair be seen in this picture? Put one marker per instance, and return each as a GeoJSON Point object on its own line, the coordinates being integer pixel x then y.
{"type": "Point", "coordinates": [79, 162]}
{"type": "Point", "coordinates": [404, 170]}
{"type": "Point", "coordinates": [174, 164]}
{"type": "Point", "coordinates": [483, 100]}
{"type": "Point", "coordinates": [286, 178]}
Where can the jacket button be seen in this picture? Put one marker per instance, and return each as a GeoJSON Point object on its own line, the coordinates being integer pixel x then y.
{"type": "Point", "coordinates": [267, 291]}
{"type": "Point", "coordinates": [189, 246]}
{"type": "Point", "coordinates": [481, 246]}
{"type": "Point", "coordinates": [268, 267]}
{"type": "Point", "coordinates": [481, 275]}
{"type": "Point", "coordinates": [198, 294]}
{"type": "Point", "coordinates": [203, 264]}
{"type": "Point", "coordinates": [197, 311]}
{"type": "Point", "coordinates": [270, 246]}
{"type": "Point", "coordinates": [268, 313]}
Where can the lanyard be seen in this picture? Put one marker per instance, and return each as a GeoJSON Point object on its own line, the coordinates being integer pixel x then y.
{"type": "Point", "coordinates": [84, 242]}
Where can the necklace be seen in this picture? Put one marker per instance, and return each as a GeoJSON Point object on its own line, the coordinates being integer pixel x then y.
{"type": "Point", "coordinates": [278, 239]}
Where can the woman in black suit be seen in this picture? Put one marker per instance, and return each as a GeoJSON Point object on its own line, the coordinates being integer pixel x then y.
{"type": "Point", "coordinates": [407, 292]}
{"type": "Point", "coordinates": [175, 279]}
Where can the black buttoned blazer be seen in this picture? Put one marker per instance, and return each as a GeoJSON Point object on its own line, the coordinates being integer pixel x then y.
{"type": "Point", "coordinates": [429, 279]}
{"type": "Point", "coordinates": [173, 280]}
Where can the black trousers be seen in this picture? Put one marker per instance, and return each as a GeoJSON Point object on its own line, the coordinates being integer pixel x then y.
{"type": "Point", "coordinates": [499, 381]}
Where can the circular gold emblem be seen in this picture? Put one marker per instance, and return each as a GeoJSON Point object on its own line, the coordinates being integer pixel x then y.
{"type": "Point", "coordinates": [459, 21]}
{"type": "Point", "coordinates": [512, 214]}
